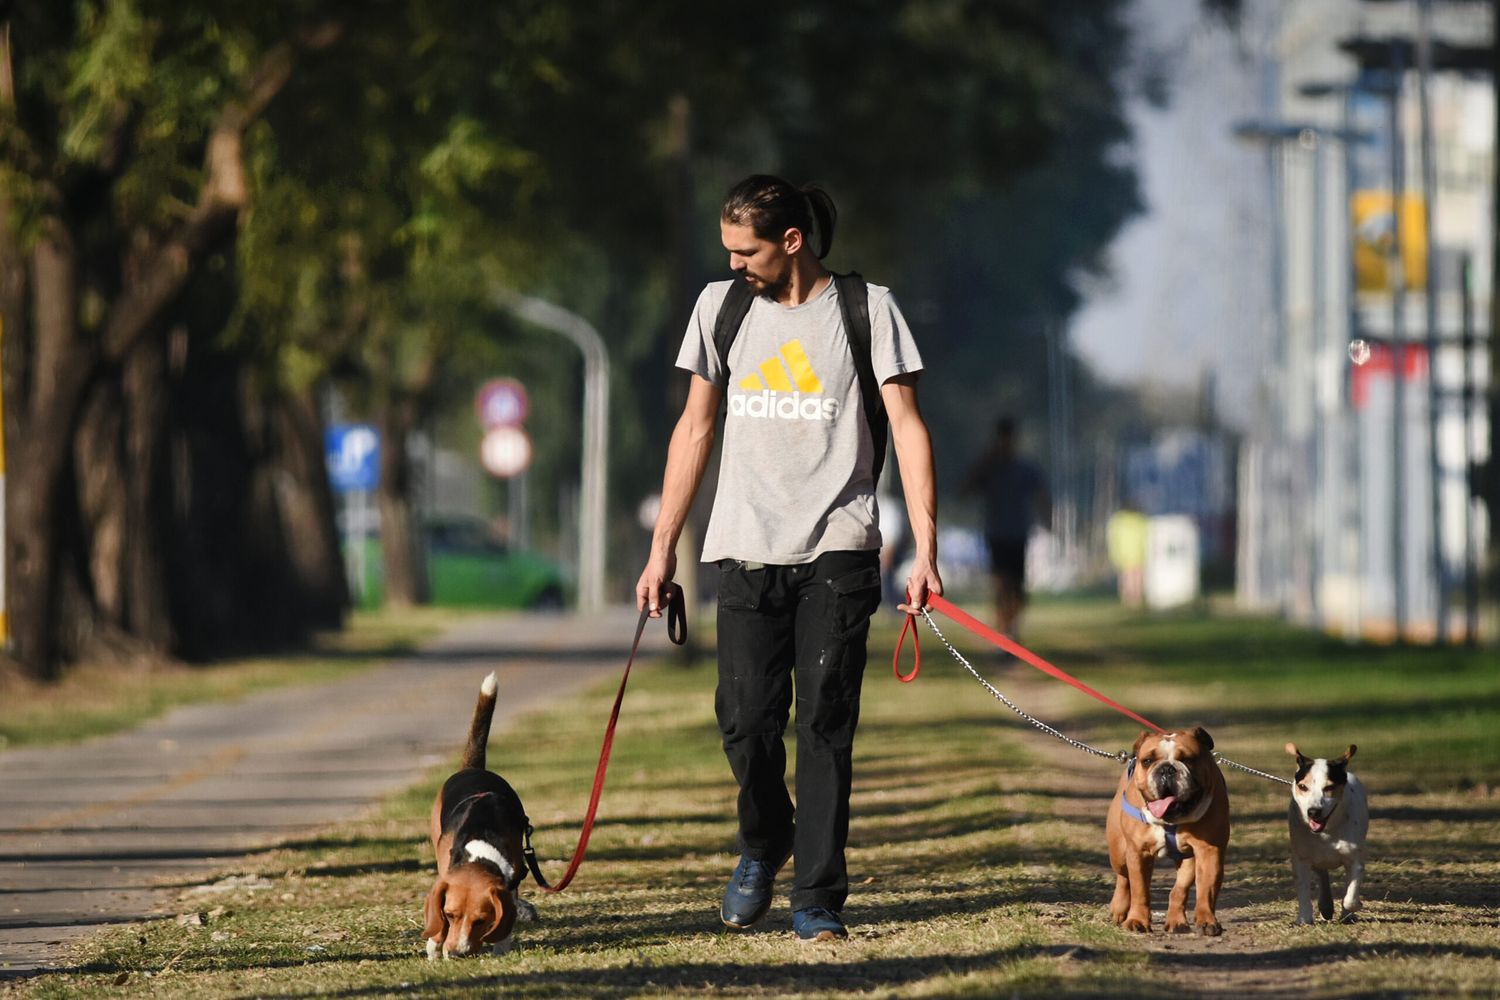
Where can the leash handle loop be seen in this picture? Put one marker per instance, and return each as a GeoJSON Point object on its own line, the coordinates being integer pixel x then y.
{"type": "Point", "coordinates": [916, 648]}
{"type": "Point", "coordinates": [677, 632]}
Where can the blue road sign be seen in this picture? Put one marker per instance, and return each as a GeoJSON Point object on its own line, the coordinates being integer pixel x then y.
{"type": "Point", "coordinates": [353, 457]}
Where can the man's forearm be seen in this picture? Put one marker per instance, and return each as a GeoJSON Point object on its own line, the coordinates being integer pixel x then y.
{"type": "Point", "coordinates": [687, 457]}
{"type": "Point", "coordinates": [919, 483]}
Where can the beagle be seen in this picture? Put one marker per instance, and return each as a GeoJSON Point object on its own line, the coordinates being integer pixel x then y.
{"type": "Point", "coordinates": [478, 828]}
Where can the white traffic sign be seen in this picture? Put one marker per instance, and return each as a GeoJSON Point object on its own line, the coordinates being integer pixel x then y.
{"type": "Point", "coordinates": [501, 402]}
{"type": "Point", "coordinates": [505, 451]}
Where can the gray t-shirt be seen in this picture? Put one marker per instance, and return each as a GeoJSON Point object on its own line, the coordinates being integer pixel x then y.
{"type": "Point", "coordinates": [795, 473]}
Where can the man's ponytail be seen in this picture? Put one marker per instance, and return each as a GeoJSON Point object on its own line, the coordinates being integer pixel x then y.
{"type": "Point", "coordinates": [770, 206]}
{"type": "Point", "coordinates": [824, 216]}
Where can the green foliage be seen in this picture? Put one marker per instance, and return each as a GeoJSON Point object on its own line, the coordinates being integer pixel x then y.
{"type": "Point", "coordinates": [577, 151]}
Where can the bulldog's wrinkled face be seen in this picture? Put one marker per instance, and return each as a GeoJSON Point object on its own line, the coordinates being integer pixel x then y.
{"type": "Point", "coordinates": [1169, 769]}
{"type": "Point", "coordinates": [1318, 786]}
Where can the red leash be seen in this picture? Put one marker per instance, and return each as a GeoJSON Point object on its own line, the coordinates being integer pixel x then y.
{"type": "Point", "coordinates": [676, 612]}
{"type": "Point", "coordinates": [938, 603]}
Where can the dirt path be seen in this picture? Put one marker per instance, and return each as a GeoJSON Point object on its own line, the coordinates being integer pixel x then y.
{"type": "Point", "coordinates": [108, 831]}
{"type": "Point", "coordinates": [1236, 964]}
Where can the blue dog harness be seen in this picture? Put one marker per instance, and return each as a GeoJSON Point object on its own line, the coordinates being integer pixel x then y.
{"type": "Point", "coordinates": [1173, 851]}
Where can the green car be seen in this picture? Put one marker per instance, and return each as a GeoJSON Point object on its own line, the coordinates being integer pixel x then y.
{"type": "Point", "coordinates": [467, 567]}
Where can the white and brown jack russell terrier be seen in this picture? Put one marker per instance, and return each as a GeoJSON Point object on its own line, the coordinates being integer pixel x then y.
{"type": "Point", "coordinates": [478, 831]}
{"type": "Point", "coordinates": [1329, 819]}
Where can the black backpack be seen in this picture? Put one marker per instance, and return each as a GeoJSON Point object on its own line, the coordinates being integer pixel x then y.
{"type": "Point", "coordinates": [854, 302]}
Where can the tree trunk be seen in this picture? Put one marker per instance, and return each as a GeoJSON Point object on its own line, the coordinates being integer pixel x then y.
{"type": "Point", "coordinates": [147, 605]}
{"type": "Point", "coordinates": [61, 368]}
{"type": "Point", "coordinates": [307, 512]}
{"type": "Point", "coordinates": [100, 487]}
{"type": "Point", "coordinates": [400, 535]}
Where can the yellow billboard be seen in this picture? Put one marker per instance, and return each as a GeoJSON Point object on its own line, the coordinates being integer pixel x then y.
{"type": "Point", "coordinates": [1374, 236]}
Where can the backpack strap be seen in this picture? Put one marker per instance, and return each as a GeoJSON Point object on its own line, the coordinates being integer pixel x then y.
{"type": "Point", "coordinates": [854, 300]}
{"type": "Point", "coordinates": [732, 313]}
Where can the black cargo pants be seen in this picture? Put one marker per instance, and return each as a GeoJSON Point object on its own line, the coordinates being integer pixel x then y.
{"type": "Point", "coordinates": [776, 623]}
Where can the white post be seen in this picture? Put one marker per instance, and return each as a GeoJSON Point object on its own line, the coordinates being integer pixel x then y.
{"type": "Point", "coordinates": [594, 475]}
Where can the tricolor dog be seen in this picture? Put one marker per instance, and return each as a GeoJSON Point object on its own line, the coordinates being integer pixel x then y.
{"type": "Point", "coordinates": [1329, 818]}
{"type": "Point", "coordinates": [1171, 805]}
{"type": "Point", "coordinates": [478, 832]}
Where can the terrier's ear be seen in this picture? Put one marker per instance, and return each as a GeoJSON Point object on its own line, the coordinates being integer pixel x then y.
{"type": "Point", "coordinates": [1347, 754]}
{"type": "Point", "coordinates": [1302, 761]}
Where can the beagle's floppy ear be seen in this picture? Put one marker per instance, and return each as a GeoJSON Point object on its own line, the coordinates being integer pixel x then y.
{"type": "Point", "coordinates": [437, 920]}
{"type": "Point", "coordinates": [504, 901]}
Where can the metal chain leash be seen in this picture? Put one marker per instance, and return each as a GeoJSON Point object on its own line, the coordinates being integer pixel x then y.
{"type": "Point", "coordinates": [1122, 756]}
{"type": "Point", "coordinates": [1250, 770]}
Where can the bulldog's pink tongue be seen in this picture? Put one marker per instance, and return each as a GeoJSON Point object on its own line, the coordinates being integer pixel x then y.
{"type": "Point", "coordinates": [1159, 807]}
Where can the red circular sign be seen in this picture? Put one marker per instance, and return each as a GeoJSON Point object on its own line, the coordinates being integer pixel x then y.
{"type": "Point", "coordinates": [501, 402]}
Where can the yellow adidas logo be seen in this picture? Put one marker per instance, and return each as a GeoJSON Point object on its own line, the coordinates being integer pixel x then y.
{"type": "Point", "coordinates": [774, 372]}
{"type": "Point", "coordinates": [787, 371]}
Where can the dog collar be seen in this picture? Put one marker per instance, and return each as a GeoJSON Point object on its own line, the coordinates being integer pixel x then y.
{"type": "Point", "coordinates": [1174, 851]}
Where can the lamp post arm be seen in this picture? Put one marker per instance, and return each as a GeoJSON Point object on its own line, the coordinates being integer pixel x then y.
{"type": "Point", "coordinates": [595, 466]}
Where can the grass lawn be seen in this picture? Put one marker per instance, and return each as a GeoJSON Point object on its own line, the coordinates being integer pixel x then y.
{"type": "Point", "coordinates": [976, 849]}
{"type": "Point", "coordinates": [94, 699]}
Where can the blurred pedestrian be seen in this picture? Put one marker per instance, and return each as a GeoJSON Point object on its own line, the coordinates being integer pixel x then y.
{"type": "Point", "coordinates": [1016, 498]}
{"type": "Point", "coordinates": [1125, 537]}
{"type": "Point", "coordinates": [794, 525]}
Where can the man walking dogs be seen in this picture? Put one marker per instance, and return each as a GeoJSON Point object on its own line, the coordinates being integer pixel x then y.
{"type": "Point", "coordinates": [813, 366]}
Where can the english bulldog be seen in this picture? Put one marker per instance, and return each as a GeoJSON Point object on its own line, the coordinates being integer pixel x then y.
{"type": "Point", "coordinates": [1329, 818]}
{"type": "Point", "coordinates": [1171, 804]}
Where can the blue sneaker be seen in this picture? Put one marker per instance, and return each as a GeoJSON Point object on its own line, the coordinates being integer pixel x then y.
{"type": "Point", "coordinates": [818, 924]}
{"type": "Point", "coordinates": [747, 897]}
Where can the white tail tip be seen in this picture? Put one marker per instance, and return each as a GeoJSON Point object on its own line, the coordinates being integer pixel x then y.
{"type": "Point", "coordinates": [488, 687]}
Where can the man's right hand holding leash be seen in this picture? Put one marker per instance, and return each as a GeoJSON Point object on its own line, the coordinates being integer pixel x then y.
{"type": "Point", "coordinates": [922, 584]}
{"type": "Point", "coordinates": [654, 581]}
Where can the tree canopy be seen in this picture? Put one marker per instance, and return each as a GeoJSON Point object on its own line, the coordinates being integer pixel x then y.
{"type": "Point", "coordinates": [212, 214]}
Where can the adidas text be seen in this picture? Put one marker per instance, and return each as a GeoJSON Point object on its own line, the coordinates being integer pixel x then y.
{"type": "Point", "coordinates": [779, 406]}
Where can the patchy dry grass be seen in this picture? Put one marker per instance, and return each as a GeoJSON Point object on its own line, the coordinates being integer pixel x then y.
{"type": "Point", "coordinates": [976, 849]}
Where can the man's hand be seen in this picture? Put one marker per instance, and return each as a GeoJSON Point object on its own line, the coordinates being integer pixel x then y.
{"type": "Point", "coordinates": [923, 583]}
{"type": "Point", "coordinates": [648, 590]}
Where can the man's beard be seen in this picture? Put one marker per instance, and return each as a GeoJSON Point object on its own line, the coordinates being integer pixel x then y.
{"type": "Point", "coordinates": [771, 289]}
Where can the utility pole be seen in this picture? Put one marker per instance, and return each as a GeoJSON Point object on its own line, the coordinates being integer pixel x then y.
{"type": "Point", "coordinates": [1396, 269]}
{"type": "Point", "coordinates": [1430, 310]}
{"type": "Point", "coordinates": [1492, 464]}
{"type": "Point", "coordinates": [593, 477]}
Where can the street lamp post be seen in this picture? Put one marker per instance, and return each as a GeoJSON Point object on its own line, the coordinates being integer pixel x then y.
{"type": "Point", "coordinates": [1275, 136]}
{"type": "Point", "coordinates": [1348, 138]}
{"type": "Point", "coordinates": [595, 466]}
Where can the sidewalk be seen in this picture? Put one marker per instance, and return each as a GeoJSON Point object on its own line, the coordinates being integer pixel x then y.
{"type": "Point", "coordinates": [104, 832]}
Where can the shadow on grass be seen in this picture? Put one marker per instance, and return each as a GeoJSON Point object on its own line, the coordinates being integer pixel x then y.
{"type": "Point", "coordinates": [757, 978]}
